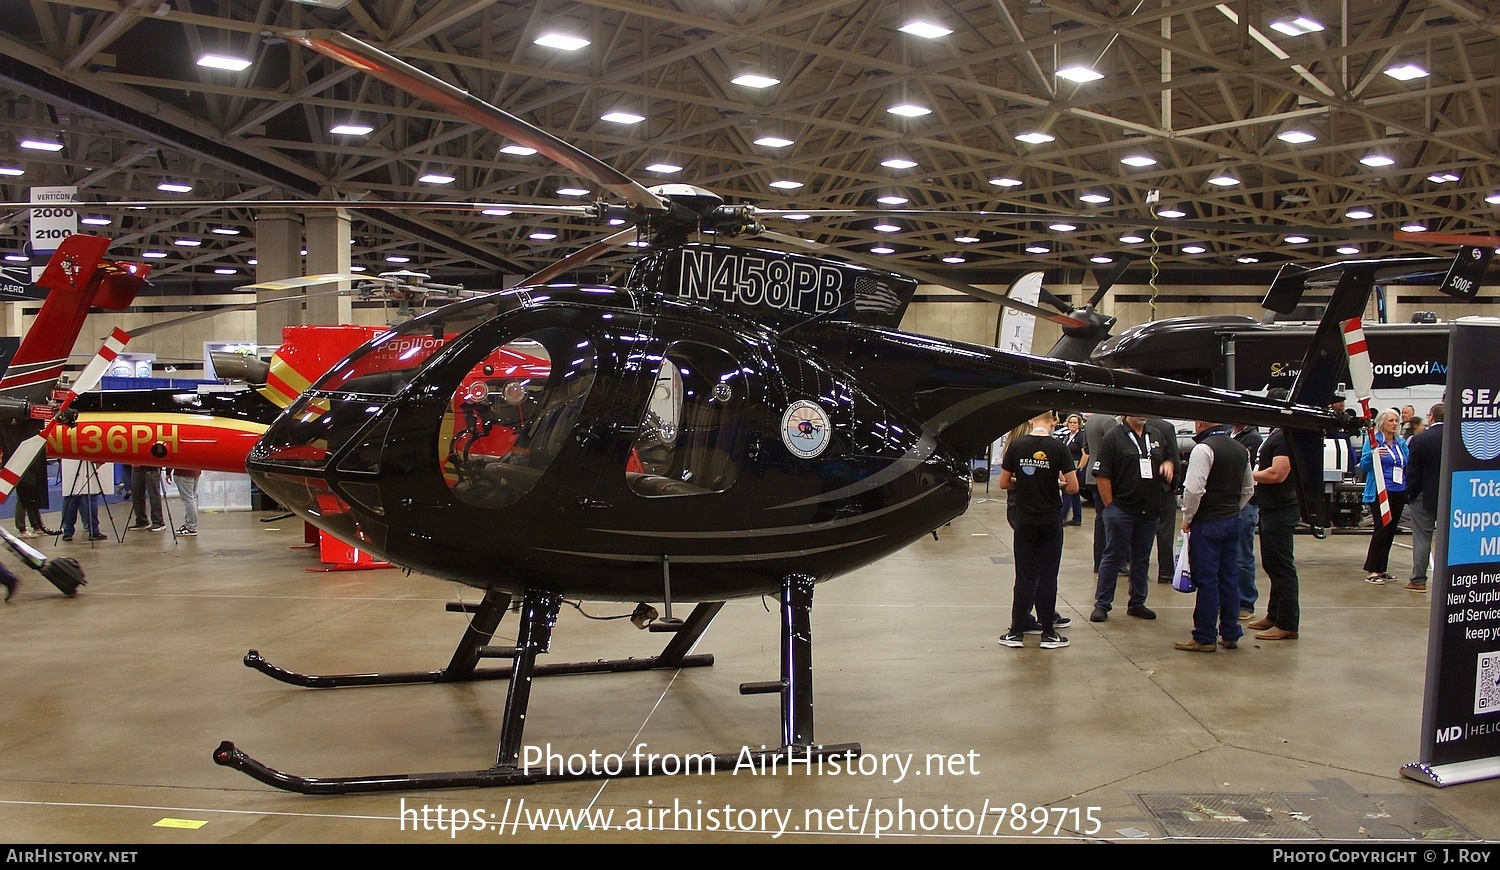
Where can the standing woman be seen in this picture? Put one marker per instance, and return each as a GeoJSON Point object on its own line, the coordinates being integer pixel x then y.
{"type": "Point", "coordinates": [1073, 440]}
{"type": "Point", "coordinates": [1387, 449]}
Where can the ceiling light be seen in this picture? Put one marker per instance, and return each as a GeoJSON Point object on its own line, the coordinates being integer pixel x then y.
{"type": "Point", "coordinates": [1132, 239]}
{"type": "Point", "coordinates": [1036, 137]}
{"type": "Point", "coordinates": [954, 258]}
{"type": "Point", "coordinates": [886, 228]}
{"type": "Point", "coordinates": [1006, 182]}
{"type": "Point", "coordinates": [1038, 249]}
{"type": "Point", "coordinates": [224, 62]}
{"type": "Point", "coordinates": [1224, 181]}
{"type": "Point", "coordinates": [1296, 240]}
{"type": "Point", "coordinates": [1138, 160]}
{"type": "Point", "coordinates": [1377, 160]}
{"type": "Point", "coordinates": [924, 29]}
{"type": "Point", "coordinates": [356, 268]}
{"type": "Point", "coordinates": [1494, 198]}
{"type": "Point", "coordinates": [11, 171]}
{"type": "Point", "coordinates": [1347, 249]}
{"type": "Point", "coordinates": [1296, 26]}
{"type": "Point", "coordinates": [175, 187]}
{"type": "Point", "coordinates": [1172, 213]}
{"type": "Point", "coordinates": [225, 231]}
{"type": "Point", "coordinates": [1101, 259]}
{"type": "Point", "coordinates": [1413, 228]}
{"type": "Point", "coordinates": [664, 168]}
{"type": "Point", "coordinates": [797, 216]}
{"type": "Point", "coordinates": [95, 221]}
{"type": "Point", "coordinates": [517, 150]}
{"type": "Point", "coordinates": [351, 129]}
{"type": "Point", "coordinates": [966, 240]}
{"type": "Point", "coordinates": [1079, 74]}
{"type": "Point", "coordinates": [1359, 214]}
{"type": "Point", "coordinates": [496, 212]}
{"type": "Point", "coordinates": [562, 41]}
{"type": "Point", "coordinates": [882, 249]}
{"type": "Point", "coordinates": [302, 252]}
{"type": "Point", "coordinates": [898, 163]}
{"type": "Point", "coordinates": [1405, 72]}
{"type": "Point", "coordinates": [1061, 228]}
{"type": "Point", "coordinates": [1442, 177]}
{"type": "Point", "coordinates": [254, 262]}
{"type": "Point", "coordinates": [436, 178]}
{"type": "Point", "coordinates": [41, 145]}
{"type": "Point", "coordinates": [1095, 198]}
{"type": "Point", "coordinates": [1247, 259]}
{"type": "Point", "coordinates": [754, 80]}
{"type": "Point", "coordinates": [620, 117]}
{"type": "Point", "coordinates": [1193, 249]}
{"type": "Point", "coordinates": [785, 184]}
{"type": "Point", "coordinates": [1296, 137]}
{"type": "Point", "coordinates": [908, 110]}
{"type": "Point", "coordinates": [893, 199]}
{"type": "Point", "coordinates": [639, 243]}
{"type": "Point", "coordinates": [773, 142]}
{"type": "Point", "coordinates": [225, 270]}
{"type": "Point", "coordinates": [543, 235]}
{"type": "Point", "coordinates": [188, 243]}
{"type": "Point", "coordinates": [154, 255]}
{"type": "Point", "coordinates": [1296, 198]}
{"type": "Point", "coordinates": [397, 258]}
{"type": "Point", "coordinates": [17, 258]}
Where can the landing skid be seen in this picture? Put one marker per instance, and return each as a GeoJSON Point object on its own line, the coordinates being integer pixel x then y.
{"type": "Point", "coordinates": [538, 617]}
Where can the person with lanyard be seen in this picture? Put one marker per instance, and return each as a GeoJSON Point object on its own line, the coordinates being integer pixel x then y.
{"type": "Point", "coordinates": [1073, 440]}
{"type": "Point", "coordinates": [1130, 470]}
{"type": "Point", "coordinates": [1035, 471]}
{"type": "Point", "coordinates": [1390, 450]}
{"type": "Point", "coordinates": [1216, 487]}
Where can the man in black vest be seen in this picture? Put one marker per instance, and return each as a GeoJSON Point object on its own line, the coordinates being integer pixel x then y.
{"type": "Point", "coordinates": [1217, 486]}
{"type": "Point", "coordinates": [1422, 475]}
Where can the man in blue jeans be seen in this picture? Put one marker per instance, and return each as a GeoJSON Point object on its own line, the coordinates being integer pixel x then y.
{"type": "Point", "coordinates": [1217, 485]}
{"type": "Point", "coordinates": [1130, 471]}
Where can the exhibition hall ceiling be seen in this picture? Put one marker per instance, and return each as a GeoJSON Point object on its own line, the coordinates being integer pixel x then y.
{"type": "Point", "coordinates": [1364, 119]}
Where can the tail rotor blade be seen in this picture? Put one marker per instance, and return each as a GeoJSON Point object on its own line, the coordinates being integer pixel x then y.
{"type": "Point", "coordinates": [16, 464]}
{"type": "Point", "coordinates": [1361, 370]}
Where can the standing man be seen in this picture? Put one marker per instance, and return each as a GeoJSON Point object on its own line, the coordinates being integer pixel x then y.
{"type": "Point", "coordinates": [1094, 429]}
{"type": "Point", "coordinates": [1036, 469]}
{"type": "Point", "coordinates": [1130, 470]}
{"type": "Point", "coordinates": [1217, 485]}
{"type": "Point", "coordinates": [145, 487]}
{"type": "Point", "coordinates": [1422, 494]}
{"type": "Point", "coordinates": [1409, 422]}
{"type": "Point", "coordinates": [1166, 520]}
{"type": "Point", "coordinates": [187, 490]}
{"type": "Point", "coordinates": [1248, 438]}
{"type": "Point", "coordinates": [1276, 494]}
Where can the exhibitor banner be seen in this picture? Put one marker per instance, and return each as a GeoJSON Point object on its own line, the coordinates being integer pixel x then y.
{"type": "Point", "coordinates": [1460, 739]}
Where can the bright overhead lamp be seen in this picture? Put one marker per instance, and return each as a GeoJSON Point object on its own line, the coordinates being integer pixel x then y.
{"type": "Point", "coordinates": [1095, 198]}
{"type": "Point", "coordinates": [909, 110]}
{"type": "Point", "coordinates": [1296, 240]}
{"type": "Point", "coordinates": [955, 259]}
{"type": "Point", "coordinates": [351, 129]}
{"type": "Point", "coordinates": [1299, 26]}
{"type": "Point", "coordinates": [638, 243]}
{"type": "Point", "coordinates": [893, 199]}
{"type": "Point", "coordinates": [188, 243]}
{"type": "Point", "coordinates": [175, 187]}
{"type": "Point", "coordinates": [773, 142]}
{"type": "Point", "coordinates": [1101, 259]}
{"type": "Point", "coordinates": [1193, 249]}
{"type": "Point", "coordinates": [1038, 249]}
{"type": "Point", "coordinates": [1036, 137]}
{"type": "Point", "coordinates": [1442, 177]}
{"type": "Point", "coordinates": [561, 41]}
{"type": "Point", "coordinates": [1377, 160]}
{"type": "Point", "coordinates": [224, 62]}
{"type": "Point", "coordinates": [1061, 227]}
{"type": "Point", "coordinates": [1132, 239]}
{"type": "Point", "coordinates": [754, 80]}
{"type": "Point", "coordinates": [1359, 214]}
{"type": "Point", "coordinates": [95, 221]}
{"type": "Point", "coordinates": [664, 168]}
{"type": "Point", "coordinates": [1006, 182]}
{"type": "Point", "coordinates": [1079, 74]}
{"type": "Point", "coordinates": [225, 270]}
{"type": "Point", "coordinates": [572, 191]}
{"type": "Point", "coordinates": [924, 29]}
{"type": "Point", "coordinates": [356, 268]}
{"type": "Point", "coordinates": [620, 117]}
{"type": "Point", "coordinates": [1171, 213]}
{"type": "Point", "coordinates": [436, 178]}
{"type": "Point", "coordinates": [254, 262]}
{"type": "Point", "coordinates": [966, 240]}
{"type": "Point", "coordinates": [898, 163]}
{"type": "Point", "coordinates": [1413, 228]}
{"type": "Point", "coordinates": [543, 235]}
{"type": "Point", "coordinates": [882, 249]}
{"type": "Point", "coordinates": [1347, 249]}
{"type": "Point", "coordinates": [1405, 72]}
{"type": "Point", "coordinates": [1138, 160]}
{"type": "Point", "coordinates": [11, 171]}
{"type": "Point", "coordinates": [397, 258]}
{"type": "Point", "coordinates": [615, 222]}
{"type": "Point", "coordinates": [496, 212]}
{"type": "Point", "coordinates": [786, 184]}
{"type": "Point", "coordinates": [225, 231]}
{"type": "Point", "coordinates": [1224, 181]}
{"type": "Point", "coordinates": [41, 145]}
{"type": "Point", "coordinates": [1494, 198]}
{"type": "Point", "coordinates": [1296, 137]}
{"type": "Point", "coordinates": [886, 228]}
{"type": "Point", "coordinates": [517, 150]}
{"type": "Point", "coordinates": [17, 258]}
{"type": "Point", "coordinates": [153, 255]}
{"type": "Point", "coordinates": [797, 216]}
{"type": "Point", "coordinates": [1247, 260]}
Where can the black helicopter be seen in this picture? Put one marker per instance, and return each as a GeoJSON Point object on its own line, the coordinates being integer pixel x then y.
{"type": "Point", "coordinates": [730, 421]}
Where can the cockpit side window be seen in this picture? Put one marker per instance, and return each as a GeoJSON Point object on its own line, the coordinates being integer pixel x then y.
{"type": "Point", "coordinates": [690, 440]}
{"type": "Point", "coordinates": [512, 413]}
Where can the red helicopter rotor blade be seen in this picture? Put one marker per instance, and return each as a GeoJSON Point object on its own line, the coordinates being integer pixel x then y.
{"type": "Point", "coordinates": [391, 70]}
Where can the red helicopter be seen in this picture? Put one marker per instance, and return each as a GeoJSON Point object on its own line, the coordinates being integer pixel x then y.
{"type": "Point", "coordinates": [729, 421]}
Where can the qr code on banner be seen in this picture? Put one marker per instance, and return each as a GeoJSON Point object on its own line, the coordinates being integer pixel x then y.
{"type": "Point", "coordinates": [1487, 683]}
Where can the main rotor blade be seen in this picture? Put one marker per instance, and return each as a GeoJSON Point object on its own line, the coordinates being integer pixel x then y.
{"type": "Point", "coordinates": [1108, 279]}
{"type": "Point", "coordinates": [579, 257]}
{"type": "Point", "coordinates": [586, 211]}
{"type": "Point", "coordinates": [360, 55]}
{"type": "Point", "coordinates": [925, 278]}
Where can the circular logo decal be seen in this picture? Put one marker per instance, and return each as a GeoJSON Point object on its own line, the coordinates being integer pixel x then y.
{"type": "Point", "coordinates": [804, 429]}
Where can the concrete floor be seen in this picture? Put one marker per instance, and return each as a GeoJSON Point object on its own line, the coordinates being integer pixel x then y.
{"type": "Point", "coordinates": [114, 701]}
